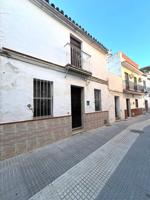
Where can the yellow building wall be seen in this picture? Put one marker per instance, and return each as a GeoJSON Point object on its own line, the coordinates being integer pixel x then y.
{"type": "Point", "coordinates": [132, 97]}
{"type": "Point", "coordinates": [129, 72]}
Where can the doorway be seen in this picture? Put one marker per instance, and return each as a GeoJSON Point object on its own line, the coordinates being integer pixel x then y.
{"type": "Point", "coordinates": [128, 107]}
{"type": "Point", "coordinates": [146, 105]}
{"type": "Point", "coordinates": [76, 107]}
{"type": "Point", "coordinates": [117, 107]}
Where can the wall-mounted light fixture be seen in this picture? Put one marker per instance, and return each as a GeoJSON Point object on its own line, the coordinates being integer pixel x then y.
{"type": "Point", "coordinates": [29, 107]}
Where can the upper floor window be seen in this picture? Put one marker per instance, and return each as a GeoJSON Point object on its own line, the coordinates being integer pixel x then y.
{"type": "Point", "coordinates": [135, 83]}
{"type": "Point", "coordinates": [126, 76]}
{"type": "Point", "coordinates": [144, 84]}
{"type": "Point", "coordinates": [136, 103]}
{"type": "Point", "coordinates": [126, 80]}
{"type": "Point", "coordinates": [97, 96]}
{"type": "Point", "coordinates": [42, 96]}
{"type": "Point", "coordinates": [75, 46]}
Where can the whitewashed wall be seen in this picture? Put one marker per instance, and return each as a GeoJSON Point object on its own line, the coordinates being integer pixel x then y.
{"type": "Point", "coordinates": [112, 106]}
{"type": "Point", "coordinates": [29, 30]}
{"type": "Point", "coordinates": [132, 100]}
{"type": "Point", "coordinates": [114, 64]}
{"type": "Point", "coordinates": [115, 82]}
{"type": "Point", "coordinates": [16, 90]}
{"type": "Point", "coordinates": [116, 89]}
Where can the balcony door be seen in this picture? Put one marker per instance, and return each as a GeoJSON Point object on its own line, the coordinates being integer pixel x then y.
{"type": "Point", "coordinates": [75, 46]}
{"type": "Point", "coordinates": [128, 106]}
{"type": "Point", "coordinates": [135, 83]}
{"type": "Point", "coordinates": [146, 105]}
{"type": "Point", "coordinates": [127, 80]}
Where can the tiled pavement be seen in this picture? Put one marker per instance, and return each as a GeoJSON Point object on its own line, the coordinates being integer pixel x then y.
{"type": "Point", "coordinates": [86, 179]}
{"type": "Point", "coordinates": [25, 175]}
{"type": "Point", "coordinates": [131, 180]}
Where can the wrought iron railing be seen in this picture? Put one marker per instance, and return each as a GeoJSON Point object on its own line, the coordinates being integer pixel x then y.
{"type": "Point", "coordinates": [131, 86]}
{"type": "Point", "coordinates": [76, 57]}
{"type": "Point", "coordinates": [147, 90]}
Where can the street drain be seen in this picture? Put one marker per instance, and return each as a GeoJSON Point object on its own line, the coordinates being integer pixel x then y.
{"type": "Point", "coordinates": [148, 195]}
{"type": "Point", "coordinates": [137, 131]}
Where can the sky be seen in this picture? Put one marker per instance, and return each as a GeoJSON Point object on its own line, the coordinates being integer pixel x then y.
{"type": "Point", "coordinates": [119, 25]}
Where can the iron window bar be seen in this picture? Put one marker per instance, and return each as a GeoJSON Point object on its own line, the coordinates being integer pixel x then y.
{"type": "Point", "coordinates": [42, 98]}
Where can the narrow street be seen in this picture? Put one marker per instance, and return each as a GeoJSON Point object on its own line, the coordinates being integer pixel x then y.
{"type": "Point", "coordinates": [108, 163]}
{"type": "Point", "coordinates": [74, 100]}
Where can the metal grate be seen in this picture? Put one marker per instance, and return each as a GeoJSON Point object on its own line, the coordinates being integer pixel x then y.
{"type": "Point", "coordinates": [42, 97]}
{"type": "Point", "coordinates": [148, 195]}
{"type": "Point", "coordinates": [136, 131]}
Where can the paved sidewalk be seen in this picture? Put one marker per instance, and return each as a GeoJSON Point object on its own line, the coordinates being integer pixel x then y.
{"type": "Point", "coordinates": [131, 180]}
{"type": "Point", "coordinates": [86, 179]}
{"type": "Point", "coordinates": [25, 175]}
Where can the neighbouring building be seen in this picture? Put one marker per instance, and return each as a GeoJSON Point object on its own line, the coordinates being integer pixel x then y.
{"type": "Point", "coordinates": [54, 78]}
{"type": "Point", "coordinates": [133, 86]}
{"type": "Point", "coordinates": [116, 98]}
{"type": "Point", "coordinates": [146, 82]}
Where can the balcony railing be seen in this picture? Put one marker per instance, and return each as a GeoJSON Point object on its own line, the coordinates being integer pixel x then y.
{"type": "Point", "coordinates": [76, 57]}
{"type": "Point", "coordinates": [131, 86]}
{"type": "Point", "coordinates": [147, 90]}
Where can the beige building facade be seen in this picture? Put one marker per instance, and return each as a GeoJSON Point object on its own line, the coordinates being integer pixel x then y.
{"type": "Point", "coordinates": [116, 98]}
{"type": "Point", "coordinates": [130, 77]}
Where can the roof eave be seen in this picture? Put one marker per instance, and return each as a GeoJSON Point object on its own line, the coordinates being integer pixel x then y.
{"type": "Point", "coordinates": [132, 68]}
{"type": "Point", "coordinates": [43, 5]}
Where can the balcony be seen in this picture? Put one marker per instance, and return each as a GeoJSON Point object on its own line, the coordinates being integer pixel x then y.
{"type": "Point", "coordinates": [77, 60]}
{"type": "Point", "coordinates": [147, 90]}
{"type": "Point", "coordinates": [131, 87]}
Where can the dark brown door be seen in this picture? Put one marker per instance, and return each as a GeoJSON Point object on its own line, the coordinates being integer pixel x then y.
{"type": "Point", "coordinates": [128, 107]}
{"type": "Point", "coordinates": [146, 105]}
{"type": "Point", "coordinates": [75, 52]}
{"type": "Point", "coordinates": [117, 107]}
{"type": "Point", "coordinates": [135, 83]}
{"type": "Point", "coordinates": [76, 107]}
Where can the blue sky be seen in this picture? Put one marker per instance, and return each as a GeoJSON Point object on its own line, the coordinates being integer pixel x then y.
{"type": "Point", "coordinates": [119, 25]}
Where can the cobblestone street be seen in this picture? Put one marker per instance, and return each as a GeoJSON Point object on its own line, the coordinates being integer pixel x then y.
{"type": "Point", "coordinates": [108, 163]}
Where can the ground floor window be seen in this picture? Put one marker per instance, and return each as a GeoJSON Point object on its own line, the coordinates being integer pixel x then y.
{"type": "Point", "coordinates": [97, 96]}
{"type": "Point", "coordinates": [136, 103]}
{"type": "Point", "coordinates": [42, 97]}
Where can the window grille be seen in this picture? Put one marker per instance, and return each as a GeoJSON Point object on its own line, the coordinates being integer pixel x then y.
{"type": "Point", "coordinates": [42, 98]}
{"type": "Point", "coordinates": [97, 95]}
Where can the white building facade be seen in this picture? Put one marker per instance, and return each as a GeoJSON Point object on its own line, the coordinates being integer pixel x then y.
{"type": "Point", "coordinates": [54, 78]}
